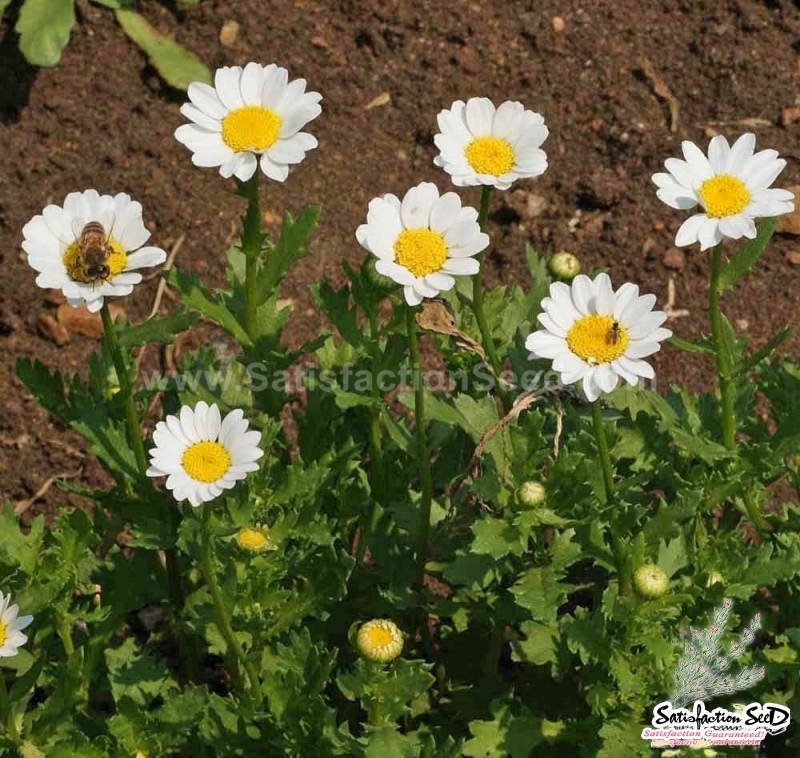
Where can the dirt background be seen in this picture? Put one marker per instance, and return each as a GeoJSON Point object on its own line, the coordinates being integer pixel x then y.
{"type": "Point", "coordinates": [103, 119]}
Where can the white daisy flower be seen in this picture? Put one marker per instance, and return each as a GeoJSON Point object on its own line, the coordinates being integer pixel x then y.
{"type": "Point", "coordinates": [249, 112]}
{"type": "Point", "coordinates": [732, 186]}
{"type": "Point", "coordinates": [422, 241]}
{"type": "Point", "coordinates": [479, 144]}
{"type": "Point", "coordinates": [91, 247]}
{"type": "Point", "coordinates": [11, 626]}
{"type": "Point", "coordinates": [596, 335]}
{"type": "Point", "coordinates": [201, 454]}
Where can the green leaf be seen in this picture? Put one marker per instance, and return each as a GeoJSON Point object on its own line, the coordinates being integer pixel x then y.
{"type": "Point", "coordinates": [159, 329]}
{"type": "Point", "coordinates": [195, 295]}
{"type": "Point", "coordinates": [672, 556]}
{"type": "Point", "coordinates": [495, 537]}
{"type": "Point", "coordinates": [540, 593]}
{"type": "Point", "coordinates": [16, 548]}
{"type": "Point", "coordinates": [291, 247]}
{"type": "Point", "coordinates": [507, 735]}
{"type": "Point", "coordinates": [540, 645]}
{"type": "Point", "coordinates": [749, 363]}
{"type": "Point", "coordinates": [109, 443]}
{"type": "Point", "coordinates": [136, 676]}
{"type": "Point", "coordinates": [748, 254]}
{"type": "Point", "coordinates": [387, 742]}
{"type": "Point", "coordinates": [44, 27]}
{"type": "Point", "coordinates": [177, 66]}
{"type": "Point", "coordinates": [691, 347]}
{"type": "Point", "coordinates": [3, 5]}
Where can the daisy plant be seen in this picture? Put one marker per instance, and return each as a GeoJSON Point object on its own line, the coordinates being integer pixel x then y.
{"type": "Point", "coordinates": [481, 145]}
{"type": "Point", "coordinates": [421, 243]}
{"type": "Point", "coordinates": [732, 185]}
{"type": "Point", "coordinates": [251, 118]}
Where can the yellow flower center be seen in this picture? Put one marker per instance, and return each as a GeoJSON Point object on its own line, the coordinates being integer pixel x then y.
{"type": "Point", "coordinates": [421, 251]}
{"type": "Point", "coordinates": [79, 265]}
{"type": "Point", "coordinates": [597, 339]}
{"type": "Point", "coordinates": [253, 539]}
{"type": "Point", "coordinates": [490, 155]}
{"type": "Point", "coordinates": [724, 195]}
{"type": "Point", "coordinates": [3, 628]}
{"type": "Point", "coordinates": [206, 461]}
{"type": "Point", "coordinates": [251, 127]}
{"type": "Point", "coordinates": [379, 636]}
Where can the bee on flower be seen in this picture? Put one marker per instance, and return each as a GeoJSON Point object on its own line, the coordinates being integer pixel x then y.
{"type": "Point", "coordinates": [251, 117]}
{"type": "Point", "coordinates": [91, 247]}
{"type": "Point", "coordinates": [597, 336]}
{"type": "Point", "coordinates": [732, 186]}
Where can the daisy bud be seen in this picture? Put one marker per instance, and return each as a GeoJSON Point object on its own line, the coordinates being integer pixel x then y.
{"type": "Point", "coordinates": [564, 266]}
{"type": "Point", "coordinates": [255, 539]}
{"type": "Point", "coordinates": [715, 578]}
{"type": "Point", "coordinates": [379, 641]}
{"type": "Point", "coordinates": [650, 581]}
{"type": "Point", "coordinates": [531, 494]}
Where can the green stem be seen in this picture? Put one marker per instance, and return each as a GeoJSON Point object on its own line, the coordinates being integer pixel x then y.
{"type": "Point", "coordinates": [422, 449]}
{"type": "Point", "coordinates": [131, 416]}
{"type": "Point", "coordinates": [477, 289]}
{"type": "Point", "coordinates": [602, 449]}
{"type": "Point", "coordinates": [251, 247]}
{"type": "Point", "coordinates": [376, 472]}
{"type": "Point", "coordinates": [223, 619]}
{"type": "Point", "coordinates": [721, 355]}
{"type": "Point", "coordinates": [5, 704]}
{"type": "Point", "coordinates": [620, 558]}
{"type": "Point", "coordinates": [174, 585]}
{"type": "Point", "coordinates": [65, 633]}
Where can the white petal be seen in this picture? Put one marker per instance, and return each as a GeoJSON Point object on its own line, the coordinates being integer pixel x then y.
{"type": "Point", "coordinates": [395, 272]}
{"type": "Point", "coordinates": [206, 99]}
{"type": "Point", "coordinates": [582, 294]}
{"type": "Point", "coordinates": [606, 377]}
{"type": "Point", "coordinates": [444, 212]}
{"type": "Point", "coordinates": [226, 82]}
{"type": "Point", "coordinates": [718, 152]}
{"type": "Point", "coordinates": [251, 83]}
{"type": "Point", "coordinates": [479, 115]}
{"type": "Point", "coordinates": [709, 234]}
{"type": "Point", "coordinates": [411, 296]}
{"type": "Point", "coordinates": [193, 113]}
{"type": "Point", "coordinates": [689, 232]}
{"type": "Point", "coordinates": [545, 345]}
{"type": "Point", "coordinates": [461, 266]}
{"type": "Point", "coordinates": [740, 154]}
{"type": "Point", "coordinates": [417, 205]}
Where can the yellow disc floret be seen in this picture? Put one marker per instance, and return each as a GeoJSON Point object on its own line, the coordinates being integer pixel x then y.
{"type": "Point", "coordinates": [76, 264]}
{"type": "Point", "coordinates": [490, 155]}
{"type": "Point", "coordinates": [380, 640]}
{"type": "Point", "coordinates": [597, 339]}
{"type": "Point", "coordinates": [255, 539]}
{"type": "Point", "coordinates": [206, 461]}
{"type": "Point", "coordinates": [251, 127]}
{"type": "Point", "coordinates": [724, 195]}
{"type": "Point", "coordinates": [2, 634]}
{"type": "Point", "coordinates": [421, 251]}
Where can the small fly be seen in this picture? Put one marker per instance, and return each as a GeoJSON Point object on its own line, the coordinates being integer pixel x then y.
{"type": "Point", "coordinates": [613, 334]}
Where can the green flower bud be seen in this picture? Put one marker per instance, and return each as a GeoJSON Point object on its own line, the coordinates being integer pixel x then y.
{"type": "Point", "coordinates": [564, 266]}
{"type": "Point", "coordinates": [531, 494]}
{"type": "Point", "coordinates": [715, 578]}
{"type": "Point", "coordinates": [379, 281]}
{"type": "Point", "coordinates": [379, 641]}
{"type": "Point", "coordinates": [650, 581]}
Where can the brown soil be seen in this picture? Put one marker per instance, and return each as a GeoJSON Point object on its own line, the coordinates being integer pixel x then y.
{"type": "Point", "coordinates": [103, 119]}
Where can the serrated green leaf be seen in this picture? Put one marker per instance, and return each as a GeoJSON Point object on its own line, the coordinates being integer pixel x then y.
{"type": "Point", "coordinates": [507, 735]}
{"type": "Point", "coordinates": [135, 675]}
{"type": "Point", "coordinates": [540, 593]}
{"type": "Point", "coordinates": [291, 247]}
{"type": "Point", "coordinates": [389, 743]}
{"type": "Point", "coordinates": [109, 443]}
{"type": "Point", "coordinates": [540, 643]}
{"type": "Point", "coordinates": [195, 295]}
{"type": "Point", "coordinates": [495, 537]}
{"type": "Point", "coordinates": [44, 27]}
{"type": "Point", "coordinates": [177, 66]}
{"type": "Point", "coordinates": [691, 347]}
{"type": "Point", "coordinates": [774, 342]}
{"type": "Point", "coordinates": [672, 556]}
{"type": "Point", "coordinates": [159, 329]}
{"type": "Point", "coordinates": [748, 254]}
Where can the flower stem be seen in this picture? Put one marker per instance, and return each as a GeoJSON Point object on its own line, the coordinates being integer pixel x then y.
{"type": "Point", "coordinates": [422, 448]}
{"type": "Point", "coordinates": [174, 585]}
{"type": "Point", "coordinates": [131, 416]}
{"type": "Point", "coordinates": [376, 473]}
{"type": "Point", "coordinates": [5, 704]}
{"type": "Point", "coordinates": [223, 619]}
{"type": "Point", "coordinates": [602, 449]}
{"type": "Point", "coordinates": [620, 559]}
{"type": "Point", "coordinates": [251, 247]}
{"type": "Point", "coordinates": [477, 289]}
{"type": "Point", "coordinates": [721, 355]}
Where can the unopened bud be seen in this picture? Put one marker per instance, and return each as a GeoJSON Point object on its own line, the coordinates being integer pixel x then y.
{"type": "Point", "coordinates": [531, 494]}
{"type": "Point", "coordinates": [564, 266]}
{"type": "Point", "coordinates": [379, 640]}
{"type": "Point", "coordinates": [650, 581]}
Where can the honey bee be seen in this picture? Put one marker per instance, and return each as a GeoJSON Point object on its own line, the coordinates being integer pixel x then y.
{"type": "Point", "coordinates": [94, 252]}
{"type": "Point", "coordinates": [613, 335]}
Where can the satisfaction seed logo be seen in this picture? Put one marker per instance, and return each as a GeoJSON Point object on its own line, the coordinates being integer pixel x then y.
{"type": "Point", "coordinates": [703, 672]}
